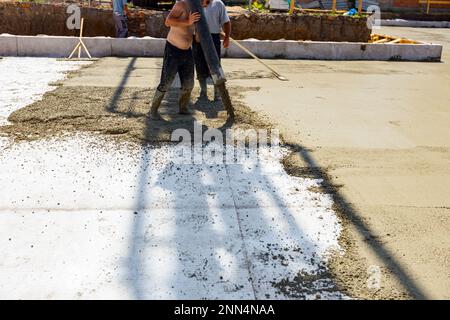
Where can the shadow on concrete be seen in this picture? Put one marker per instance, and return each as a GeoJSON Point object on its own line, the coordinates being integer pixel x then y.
{"type": "Point", "coordinates": [112, 106]}
{"type": "Point", "coordinates": [344, 206]}
{"type": "Point", "coordinates": [135, 264]}
{"type": "Point", "coordinates": [209, 108]}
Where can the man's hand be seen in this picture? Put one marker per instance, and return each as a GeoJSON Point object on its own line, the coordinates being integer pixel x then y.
{"type": "Point", "coordinates": [226, 34]}
{"type": "Point", "coordinates": [193, 18]}
{"type": "Point", "coordinates": [125, 8]}
{"type": "Point", "coordinates": [176, 17]}
{"type": "Point", "coordinates": [226, 41]}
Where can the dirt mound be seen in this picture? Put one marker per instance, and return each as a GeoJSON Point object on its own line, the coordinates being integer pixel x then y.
{"type": "Point", "coordinates": [32, 19]}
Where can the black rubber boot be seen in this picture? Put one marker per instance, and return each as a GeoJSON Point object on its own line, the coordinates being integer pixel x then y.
{"type": "Point", "coordinates": [183, 101]}
{"type": "Point", "coordinates": [203, 89]}
{"type": "Point", "coordinates": [156, 102]}
{"type": "Point", "coordinates": [217, 96]}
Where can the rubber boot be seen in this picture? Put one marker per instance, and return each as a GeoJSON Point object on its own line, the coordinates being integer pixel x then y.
{"type": "Point", "coordinates": [156, 102]}
{"type": "Point", "coordinates": [203, 89]}
{"type": "Point", "coordinates": [183, 101]}
{"type": "Point", "coordinates": [217, 96]}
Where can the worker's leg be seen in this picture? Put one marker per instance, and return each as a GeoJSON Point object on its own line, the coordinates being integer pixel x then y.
{"type": "Point", "coordinates": [120, 24]}
{"type": "Point", "coordinates": [217, 44]}
{"type": "Point", "coordinates": [124, 33]}
{"type": "Point", "coordinates": [201, 67]}
{"type": "Point", "coordinates": [117, 24]}
{"type": "Point", "coordinates": [169, 70]}
{"type": "Point", "coordinates": [186, 73]}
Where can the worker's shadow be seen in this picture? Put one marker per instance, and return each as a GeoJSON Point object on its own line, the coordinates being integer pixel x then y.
{"type": "Point", "coordinates": [210, 108]}
{"type": "Point", "coordinates": [213, 109]}
{"type": "Point", "coordinates": [172, 120]}
{"type": "Point", "coordinates": [134, 106]}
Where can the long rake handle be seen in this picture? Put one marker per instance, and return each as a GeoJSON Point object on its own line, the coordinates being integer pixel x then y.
{"type": "Point", "coordinates": [258, 59]}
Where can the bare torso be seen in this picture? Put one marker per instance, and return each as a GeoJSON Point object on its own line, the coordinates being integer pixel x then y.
{"type": "Point", "coordinates": [181, 37]}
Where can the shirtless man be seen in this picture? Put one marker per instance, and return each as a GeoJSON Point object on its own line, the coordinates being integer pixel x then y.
{"type": "Point", "coordinates": [178, 57]}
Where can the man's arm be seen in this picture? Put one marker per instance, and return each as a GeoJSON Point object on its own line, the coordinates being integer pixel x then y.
{"type": "Point", "coordinates": [174, 18]}
{"type": "Point", "coordinates": [226, 24]}
{"type": "Point", "coordinates": [125, 7]}
{"type": "Point", "coordinates": [227, 30]}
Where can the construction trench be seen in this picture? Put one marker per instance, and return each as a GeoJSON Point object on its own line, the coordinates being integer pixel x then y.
{"type": "Point", "coordinates": [150, 228]}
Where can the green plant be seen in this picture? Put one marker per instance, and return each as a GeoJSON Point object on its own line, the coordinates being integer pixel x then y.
{"type": "Point", "coordinates": [258, 5]}
{"type": "Point", "coordinates": [38, 1]}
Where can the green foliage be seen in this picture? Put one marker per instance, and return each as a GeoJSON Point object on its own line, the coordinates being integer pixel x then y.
{"type": "Point", "coordinates": [258, 6]}
{"type": "Point", "coordinates": [37, 1]}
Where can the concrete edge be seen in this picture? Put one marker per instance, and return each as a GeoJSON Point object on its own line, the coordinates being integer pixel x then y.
{"type": "Point", "coordinates": [415, 24]}
{"type": "Point", "coordinates": [60, 47]}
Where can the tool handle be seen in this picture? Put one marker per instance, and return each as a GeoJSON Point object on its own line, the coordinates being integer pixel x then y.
{"type": "Point", "coordinates": [252, 55]}
{"type": "Point", "coordinates": [207, 44]}
{"type": "Point", "coordinates": [81, 28]}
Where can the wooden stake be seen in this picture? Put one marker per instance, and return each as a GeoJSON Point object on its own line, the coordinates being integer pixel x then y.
{"type": "Point", "coordinates": [381, 41]}
{"type": "Point", "coordinates": [87, 51]}
{"type": "Point", "coordinates": [80, 44]}
{"type": "Point", "coordinates": [81, 35]}
{"type": "Point", "coordinates": [76, 47]}
{"type": "Point", "coordinates": [334, 6]}
{"type": "Point", "coordinates": [396, 40]}
{"type": "Point", "coordinates": [360, 6]}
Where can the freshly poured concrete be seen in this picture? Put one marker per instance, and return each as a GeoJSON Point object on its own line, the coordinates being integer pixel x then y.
{"type": "Point", "coordinates": [415, 24]}
{"type": "Point", "coordinates": [19, 85]}
{"type": "Point", "coordinates": [382, 130]}
{"type": "Point", "coordinates": [85, 217]}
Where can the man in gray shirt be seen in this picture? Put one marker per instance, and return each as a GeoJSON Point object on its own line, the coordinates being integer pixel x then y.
{"type": "Point", "coordinates": [120, 10]}
{"type": "Point", "coordinates": [217, 18]}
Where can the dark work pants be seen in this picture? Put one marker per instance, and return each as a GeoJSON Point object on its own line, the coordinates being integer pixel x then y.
{"type": "Point", "coordinates": [177, 61]}
{"type": "Point", "coordinates": [200, 63]}
{"type": "Point", "coordinates": [120, 22]}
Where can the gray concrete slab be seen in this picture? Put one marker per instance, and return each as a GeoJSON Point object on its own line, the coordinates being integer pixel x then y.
{"type": "Point", "coordinates": [47, 46]}
{"type": "Point", "coordinates": [138, 47]}
{"type": "Point", "coordinates": [381, 129]}
{"type": "Point", "coordinates": [43, 46]}
{"type": "Point", "coordinates": [414, 24]}
{"type": "Point", "coordinates": [8, 45]}
{"type": "Point", "coordinates": [98, 46]}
